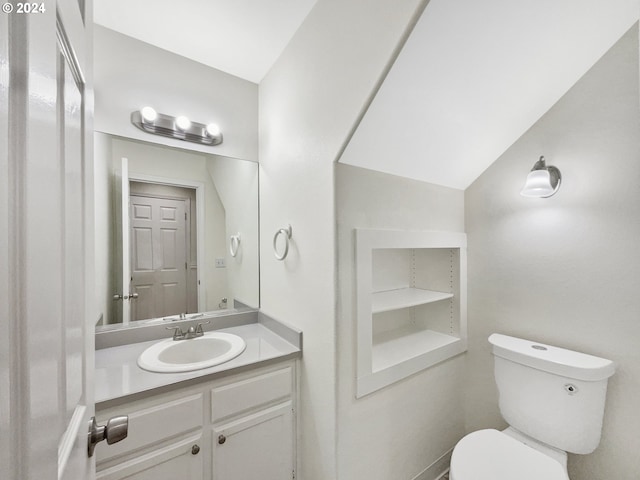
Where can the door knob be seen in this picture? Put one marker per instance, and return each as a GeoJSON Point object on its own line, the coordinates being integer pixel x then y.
{"type": "Point", "coordinates": [131, 296]}
{"type": "Point", "coordinates": [116, 429]}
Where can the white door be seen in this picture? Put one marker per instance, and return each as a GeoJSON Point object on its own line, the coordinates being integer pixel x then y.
{"type": "Point", "coordinates": [158, 256]}
{"type": "Point", "coordinates": [46, 241]}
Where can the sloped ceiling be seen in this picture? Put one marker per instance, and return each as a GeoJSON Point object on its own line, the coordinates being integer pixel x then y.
{"type": "Point", "coordinates": [474, 76]}
{"type": "Point", "coordinates": [240, 37]}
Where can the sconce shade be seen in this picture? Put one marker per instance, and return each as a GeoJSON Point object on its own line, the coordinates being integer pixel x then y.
{"type": "Point", "coordinates": [538, 184]}
{"type": "Point", "coordinates": [542, 181]}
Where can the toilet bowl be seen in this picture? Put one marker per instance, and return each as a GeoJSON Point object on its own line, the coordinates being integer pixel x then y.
{"type": "Point", "coordinates": [552, 398]}
{"type": "Point", "coordinates": [494, 455]}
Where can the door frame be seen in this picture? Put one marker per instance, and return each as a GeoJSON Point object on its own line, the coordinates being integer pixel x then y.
{"type": "Point", "coordinates": [200, 222]}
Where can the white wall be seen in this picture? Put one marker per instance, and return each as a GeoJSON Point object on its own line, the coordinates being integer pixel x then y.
{"type": "Point", "coordinates": [104, 227]}
{"type": "Point", "coordinates": [399, 431]}
{"type": "Point", "coordinates": [309, 102]}
{"type": "Point", "coordinates": [566, 270]}
{"type": "Point", "coordinates": [237, 185]}
{"type": "Point", "coordinates": [130, 74]}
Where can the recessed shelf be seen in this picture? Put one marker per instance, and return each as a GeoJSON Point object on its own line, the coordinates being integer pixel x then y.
{"type": "Point", "coordinates": [411, 303]}
{"type": "Point", "coordinates": [405, 297]}
{"type": "Point", "coordinates": [397, 347]}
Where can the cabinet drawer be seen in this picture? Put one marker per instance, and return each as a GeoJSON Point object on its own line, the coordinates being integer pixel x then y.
{"type": "Point", "coordinates": [151, 424]}
{"type": "Point", "coordinates": [173, 461]}
{"type": "Point", "coordinates": [251, 393]}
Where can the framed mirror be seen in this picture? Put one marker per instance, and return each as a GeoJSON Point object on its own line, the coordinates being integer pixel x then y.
{"type": "Point", "coordinates": [176, 232]}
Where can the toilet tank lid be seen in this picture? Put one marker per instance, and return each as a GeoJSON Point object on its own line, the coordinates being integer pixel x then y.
{"type": "Point", "coordinates": [559, 361]}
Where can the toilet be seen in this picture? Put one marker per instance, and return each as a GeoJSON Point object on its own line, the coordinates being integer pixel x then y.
{"type": "Point", "coordinates": [553, 400]}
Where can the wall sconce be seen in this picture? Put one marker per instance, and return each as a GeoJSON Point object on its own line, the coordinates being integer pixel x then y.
{"type": "Point", "coordinates": [181, 128]}
{"type": "Point", "coordinates": [542, 181]}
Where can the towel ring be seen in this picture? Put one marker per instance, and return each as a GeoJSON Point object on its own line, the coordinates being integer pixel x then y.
{"type": "Point", "coordinates": [287, 236]}
{"type": "Point", "coordinates": [234, 245]}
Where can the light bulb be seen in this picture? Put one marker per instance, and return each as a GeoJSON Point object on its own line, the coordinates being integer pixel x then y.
{"type": "Point", "coordinates": [183, 123]}
{"type": "Point", "coordinates": [213, 129]}
{"type": "Point", "coordinates": [148, 114]}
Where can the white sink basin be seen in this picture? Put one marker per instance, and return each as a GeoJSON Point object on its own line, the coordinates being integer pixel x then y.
{"type": "Point", "coordinates": [170, 356]}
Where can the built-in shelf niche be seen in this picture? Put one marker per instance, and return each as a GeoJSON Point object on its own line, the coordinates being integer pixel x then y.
{"type": "Point", "coordinates": [411, 303]}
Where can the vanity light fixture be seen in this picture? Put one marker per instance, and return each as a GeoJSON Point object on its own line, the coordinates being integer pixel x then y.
{"type": "Point", "coordinates": [181, 128]}
{"type": "Point", "coordinates": [542, 181]}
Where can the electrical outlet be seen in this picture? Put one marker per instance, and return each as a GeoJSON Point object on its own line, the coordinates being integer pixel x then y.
{"type": "Point", "coordinates": [220, 263]}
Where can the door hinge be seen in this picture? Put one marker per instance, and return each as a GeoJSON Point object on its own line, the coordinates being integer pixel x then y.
{"type": "Point", "coordinates": [293, 474]}
{"type": "Point", "coordinates": [185, 216]}
{"type": "Point", "coordinates": [185, 265]}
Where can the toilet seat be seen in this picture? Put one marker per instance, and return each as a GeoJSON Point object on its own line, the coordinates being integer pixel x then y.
{"type": "Point", "coordinates": [492, 455]}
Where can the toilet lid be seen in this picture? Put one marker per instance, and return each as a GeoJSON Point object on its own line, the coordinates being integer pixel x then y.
{"type": "Point", "coordinates": [492, 455]}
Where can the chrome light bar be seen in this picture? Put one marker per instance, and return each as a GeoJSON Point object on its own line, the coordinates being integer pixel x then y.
{"type": "Point", "coordinates": [149, 121]}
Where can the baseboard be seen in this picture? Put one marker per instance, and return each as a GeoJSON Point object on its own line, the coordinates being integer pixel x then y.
{"type": "Point", "coordinates": [437, 469]}
{"type": "Point", "coordinates": [442, 475]}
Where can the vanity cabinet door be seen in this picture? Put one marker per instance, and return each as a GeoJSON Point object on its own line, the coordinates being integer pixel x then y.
{"type": "Point", "coordinates": [255, 447]}
{"type": "Point", "coordinates": [180, 460]}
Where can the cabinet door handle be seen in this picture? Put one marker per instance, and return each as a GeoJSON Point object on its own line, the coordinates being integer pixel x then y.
{"type": "Point", "coordinates": [195, 449]}
{"type": "Point", "coordinates": [221, 439]}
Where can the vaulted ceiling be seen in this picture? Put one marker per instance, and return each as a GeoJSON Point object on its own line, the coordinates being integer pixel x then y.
{"type": "Point", "coordinates": [240, 37]}
{"type": "Point", "coordinates": [474, 76]}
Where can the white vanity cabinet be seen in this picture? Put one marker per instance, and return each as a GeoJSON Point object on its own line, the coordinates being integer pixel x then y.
{"type": "Point", "coordinates": [237, 427]}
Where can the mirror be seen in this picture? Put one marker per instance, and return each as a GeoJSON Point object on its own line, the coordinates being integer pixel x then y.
{"type": "Point", "coordinates": [176, 232]}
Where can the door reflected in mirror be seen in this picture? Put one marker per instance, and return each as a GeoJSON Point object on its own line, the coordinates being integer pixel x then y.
{"type": "Point", "coordinates": [163, 251]}
{"type": "Point", "coordinates": [176, 232]}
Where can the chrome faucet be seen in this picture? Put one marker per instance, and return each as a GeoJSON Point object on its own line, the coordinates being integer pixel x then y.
{"type": "Point", "coordinates": [191, 332]}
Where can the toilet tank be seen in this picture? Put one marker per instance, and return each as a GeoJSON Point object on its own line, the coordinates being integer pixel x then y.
{"type": "Point", "coordinates": [554, 395]}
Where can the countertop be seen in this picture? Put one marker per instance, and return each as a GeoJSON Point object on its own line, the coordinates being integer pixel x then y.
{"type": "Point", "coordinates": [118, 376]}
